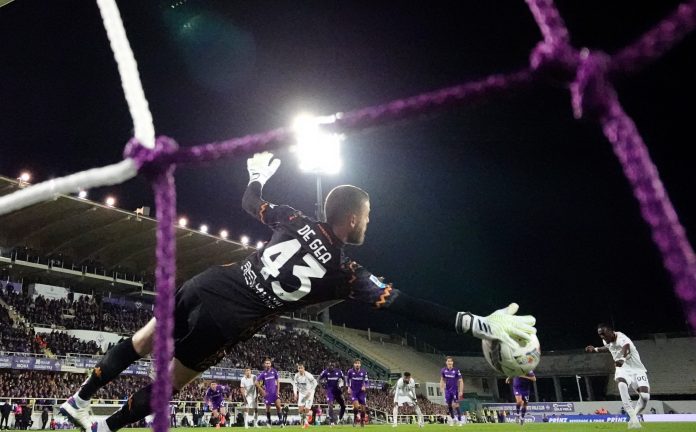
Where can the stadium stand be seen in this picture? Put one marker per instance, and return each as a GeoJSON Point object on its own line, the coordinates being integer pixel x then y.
{"type": "Point", "coordinates": [394, 356]}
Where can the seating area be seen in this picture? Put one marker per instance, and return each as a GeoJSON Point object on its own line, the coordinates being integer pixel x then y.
{"type": "Point", "coordinates": [84, 312]}
{"type": "Point", "coordinates": [396, 357]}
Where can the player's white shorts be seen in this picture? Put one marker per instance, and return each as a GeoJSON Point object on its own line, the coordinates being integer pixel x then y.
{"type": "Point", "coordinates": [305, 400]}
{"type": "Point", "coordinates": [251, 401]}
{"type": "Point", "coordinates": [634, 378]}
{"type": "Point", "coordinates": [401, 400]}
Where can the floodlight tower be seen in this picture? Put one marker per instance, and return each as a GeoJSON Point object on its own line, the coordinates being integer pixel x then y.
{"type": "Point", "coordinates": [318, 152]}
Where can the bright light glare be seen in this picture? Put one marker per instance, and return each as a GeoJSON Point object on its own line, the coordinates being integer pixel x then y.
{"type": "Point", "coordinates": [204, 229]}
{"type": "Point", "coordinates": [110, 201]}
{"type": "Point", "coordinates": [183, 222]}
{"type": "Point", "coordinates": [259, 245]}
{"type": "Point", "coordinates": [244, 240]}
{"type": "Point", "coordinates": [318, 151]}
{"type": "Point", "coordinates": [224, 234]}
{"type": "Point", "coordinates": [25, 176]}
{"type": "Point", "coordinates": [82, 194]}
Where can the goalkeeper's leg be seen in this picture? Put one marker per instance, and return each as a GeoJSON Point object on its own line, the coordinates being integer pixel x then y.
{"type": "Point", "coordinates": [138, 405]}
{"type": "Point", "coordinates": [116, 360]}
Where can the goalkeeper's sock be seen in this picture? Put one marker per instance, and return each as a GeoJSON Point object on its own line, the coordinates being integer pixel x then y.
{"type": "Point", "coordinates": [626, 398]}
{"type": "Point", "coordinates": [135, 409]}
{"type": "Point", "coordinates": [115, 361]}
{"type": "Point", "coordinates": [643, 400]}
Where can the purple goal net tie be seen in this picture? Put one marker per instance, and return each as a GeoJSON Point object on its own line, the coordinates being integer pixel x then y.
{"type": "Point", "coordinates": [588, 75]}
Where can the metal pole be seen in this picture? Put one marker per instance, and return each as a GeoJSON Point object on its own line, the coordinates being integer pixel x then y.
{"type": "Point", "coordinates": [325, 317]}
{"type": "Point", "coordinates": [577, 381]}
{"type": "Point", "coordinates": [320, 200]}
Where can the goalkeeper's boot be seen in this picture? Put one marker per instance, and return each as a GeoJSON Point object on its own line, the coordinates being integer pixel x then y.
{"type": "Point", "coordinates": [77, 415]}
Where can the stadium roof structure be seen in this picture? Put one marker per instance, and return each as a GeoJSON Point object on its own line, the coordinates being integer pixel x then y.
{"type": "Point", "coordinates": [123, 242]}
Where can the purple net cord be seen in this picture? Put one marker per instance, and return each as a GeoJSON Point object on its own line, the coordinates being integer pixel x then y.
{"type": "Point", "coordinates": [592, 94]}
{"type": "Point", "coordinates": [162, 178]}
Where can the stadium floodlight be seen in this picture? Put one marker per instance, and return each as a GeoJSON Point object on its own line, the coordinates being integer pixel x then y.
{"type": "Point", "coordinates": [110, 201]}
{"type": "Point", "coordinates": [244, 240]}
{"type": "Point", "coordinates": [224, 234]}
{"type": "Point", "coordinates": [259, 245]}
{"type": "Point", "coordinates": [25, 176]}
{"type": "Point", "coordinates": [82, 194]}
{"type": "Point", "coordinates": [318, 150]}
{"type": "Point", "coordinates": [183, 222]}
{"type": "Point", "coordinates": [204, 229]}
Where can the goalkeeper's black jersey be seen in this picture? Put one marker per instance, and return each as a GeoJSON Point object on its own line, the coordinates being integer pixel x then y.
{"type": "Point", "coordinates": [302, 264]}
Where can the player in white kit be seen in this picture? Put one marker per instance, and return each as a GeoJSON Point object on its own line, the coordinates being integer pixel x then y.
{"type": "Point", "coordinates": [248, 388]}
{"type": "Point", "coordinates": [405, 393]}
{"type": "Point", "coordinates": [303, 386]}
{"type": "Point", "coordinates": [629, 370]}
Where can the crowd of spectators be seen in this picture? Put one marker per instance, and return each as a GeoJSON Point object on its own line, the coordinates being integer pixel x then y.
{"type": "Point", "coordinates": [286, 347]}
{"type": "Point", "coordinates": [84, 312]}
{"type": "Point", "coordinates": [61, 343]}
{"type": "Point", "coordinates": [14, 337]}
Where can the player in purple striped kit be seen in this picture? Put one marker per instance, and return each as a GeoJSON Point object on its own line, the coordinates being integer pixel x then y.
{"type": "Point", "coordinates": [520, 387]}
{"type": "Point", "coordinates": [268, 383]}
{"type": "Point", "coordinates": [334, 380]}
{"type": "Point", "coordinates": [356, 378]}
{"type": "Point", "coordinates": [452, 385]}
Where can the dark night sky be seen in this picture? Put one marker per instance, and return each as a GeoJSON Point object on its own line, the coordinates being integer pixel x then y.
{"type": "Point", "coordinates": [473, 207]}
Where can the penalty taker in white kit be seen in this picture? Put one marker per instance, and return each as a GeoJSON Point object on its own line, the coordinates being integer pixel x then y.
{"type": "Point", "coordinates": [405, 394]}
{"type": "Point", "coordinates": [629, 370]}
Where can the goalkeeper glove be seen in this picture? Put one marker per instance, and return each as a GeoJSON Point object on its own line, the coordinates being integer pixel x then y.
{"type": "Point", "coordinates": [261, 168]}
{"type": "Point", "coordinates": [501, 325]}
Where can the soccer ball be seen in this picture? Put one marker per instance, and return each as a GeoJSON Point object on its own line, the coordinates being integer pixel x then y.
{"type": "Point", "coordinates": [512, 361]}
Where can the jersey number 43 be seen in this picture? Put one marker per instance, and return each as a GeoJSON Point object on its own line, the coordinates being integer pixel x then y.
{"type": "Point", "coordinates": [276, 256]}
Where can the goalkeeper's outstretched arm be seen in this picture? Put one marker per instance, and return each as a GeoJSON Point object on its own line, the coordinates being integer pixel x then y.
{"type": "Point", "coordinates": [501, 325]}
